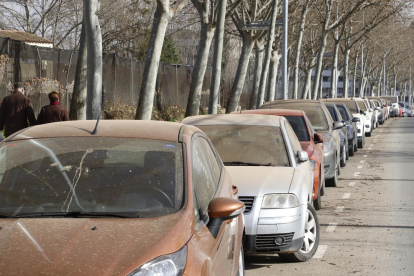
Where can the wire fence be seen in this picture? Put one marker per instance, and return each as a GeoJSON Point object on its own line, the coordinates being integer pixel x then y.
{"type": "Point", "coordinates": [46, 69]}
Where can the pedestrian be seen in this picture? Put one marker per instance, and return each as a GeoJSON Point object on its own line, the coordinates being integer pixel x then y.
{"type": "Point", "coordinates": [52, 112]}
{"type": "Point", "coordinates": [16, 111]}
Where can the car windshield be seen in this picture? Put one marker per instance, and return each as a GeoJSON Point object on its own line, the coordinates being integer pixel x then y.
{"type": "Point", "coordinates": [362, 105]}
{"type": "Point", "coordinates": [343, 112]}
{"type": "Point", "coordinates": [248, 145]}
{"type": "Point", "coordinates": [314, 112]}
{"type": "Point", "coordinates": [332, 112]}
{"type": "Point", "coordinates": [143, 178]}
{"type": "Point", "coordinates": [352, 106]}
{"type": "Point", "coordinates": [299, 127]}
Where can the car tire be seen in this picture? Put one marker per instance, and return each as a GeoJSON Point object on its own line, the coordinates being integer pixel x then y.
{"type": "Point", "coordinates": [323, 187]}
{"type": "Point", "coordinates": [368, 134]}
{"type": "Point", "coordinates": [352, 150]}
{"type": "Point", "coordinates": [240, 270]}
{"type": "Point", "coordinates": [317, 203]}
{"type": "Point", "coordinates": [347, 152]}
{"type": "Point", "coordinates": [333, 182]}
{"type": "Point", "coordinates": [343, 157]}
{"type": "Point", "coordinates": [310, 239]}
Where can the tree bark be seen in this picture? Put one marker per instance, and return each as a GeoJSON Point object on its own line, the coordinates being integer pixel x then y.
{"type": "Point", "coordinates": [218, 54]}
{"type": "Point", "coordinates": [94, 45]}
{"type": "Point", "coordinates": [257, 74]}
{"type": "Point", "coordinates": [149, 78]}
{"type": "Point", "coordinates": [345, 73]}
{"type": "Point", "coordinates": [274, 65]}
{"type": "Point", "coordinates": [240, 77]}
{"type": "Point", "coordinates": [354, 76]}
{"type": "Point", "coordinates": [307, 86]}
{"type": "Point", "coordinates": [78, 102]}
{"type": "Point", "coordinates": [334, 72]}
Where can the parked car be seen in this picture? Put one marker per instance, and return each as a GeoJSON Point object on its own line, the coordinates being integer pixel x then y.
{"type": "Point", "coordinates": [371, 110]}
{"type": "Point", "coordinates": [356, 112]}
{"type": "Point", "coordinates": [393, 103]}
{"type": "Point", "coordinates": [310, 141]}
{"type": "Point", "coordinates": [274, 178]}
{"type": "Point", "coordinates": [343, 132]}
{"type": "Point", "coordinates": [383, 108]}
{"type": "Point", "coordinates": [364, 109]}
{"type": "Point", "coordinates": [137, 198]}
{"type": "Point", "coordinates": [409, 111]}
{"type": "Point", "coordinates": [323, 124]}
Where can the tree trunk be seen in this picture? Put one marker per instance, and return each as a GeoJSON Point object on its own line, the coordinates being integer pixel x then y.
{"type": "Point", "coordinates": [345, 73]}
{"type": "Point", "coordinates": [218, 54]}
{"type": "Point", "coordinates": [274, 65]}
{"type": "Point", "coordinates": [334, 72]}
{"type": "Point", "coordinates": [319, 62]}
{"type": "Point", "coordinates": [354, 76]}
{"type": "Point", "coordinates": [197, 77]}
{"type": "Point", "coordinates": [78, 102]}
{"type": "Point", "coordinates": [308, 82]}
{"type": "Point", "coordinates": [94, 57]}
{"type": "Point", "coordinates": [257, 74]}
{"type": "Point", "coordinates": [269, 46]}
{"type": "Point", "coordinates": [239, 80]}
{"type": "Point", "coordinates": [149, 78]}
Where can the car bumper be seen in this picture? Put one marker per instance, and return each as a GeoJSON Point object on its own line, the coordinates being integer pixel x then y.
{"type": "Point", "coordinates": [367, 126]}
{"type": "Point", "coordinates": [274, 230]}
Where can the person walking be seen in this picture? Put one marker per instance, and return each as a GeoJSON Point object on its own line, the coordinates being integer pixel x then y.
{"type": "Point", "coordinates": [16, 111]}
{"type": "Point", "coordinates": [53, 112]}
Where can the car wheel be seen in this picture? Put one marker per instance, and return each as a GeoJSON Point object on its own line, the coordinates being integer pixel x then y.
{"type": "Point", "coordinates": [333, 182]}
{"type": "Point", "coordinates": [323, 186]}
{"type": "Point", "coordinates": [369, 133]}
{"type": "Point", "coordinates": [310, 239]}
{"type": "Point", "coordinates": [352, 149]}
{"type": "Point", "coordinates": [240, 269]}
{"type": "Point", "coordinates": [317, 203]}
{"type": "Point", "coordinates": [343, 157]}
{"type": "Point", "coordinates": [361, 143]}
{"type": "Point", "coordinates": [347, 152]}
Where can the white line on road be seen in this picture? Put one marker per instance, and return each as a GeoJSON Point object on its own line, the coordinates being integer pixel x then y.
{"type": "Point", "coordinates": [346, 196]}
{"type": "Point", "coordinates": [356, 174]}
{"type": "Point", "coordinates": [365, 156]}
{"type": "Point", "coordinates": [362, 161]}
{"type": "Point", "coordinates": [331, 227]}
{"type": "Point", "coordinates": [339, 209]}
{"type": "Point", "coordinates": [320, 252]}
{"type": "Point", "coordinates": [351, 184]}
{"type": "Point", "coordinates": [359, 167]}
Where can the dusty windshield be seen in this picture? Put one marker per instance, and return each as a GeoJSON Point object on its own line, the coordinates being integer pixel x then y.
{"type": "Point", "coordinates": [248, 145]}
{"type": "Point", "coordinates": [142, 178]}
{"type": "Point", "coordinates": [352, 106]}
{"type": "Point", "coordinates": [362, 105]}
{"type": "Point", "coordinates": [316, 116]}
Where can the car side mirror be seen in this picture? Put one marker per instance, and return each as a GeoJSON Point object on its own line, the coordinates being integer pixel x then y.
{"type": "Point", "coordinates": [222, 209]}
{"type": "Point", "coordinates": [338, 125]}
{"type": "Point", "coordinates": [356, 119]}
{"type": "Point", "coordinates": [345, 123]}
{"type": "Point", "coordinates": [317, 138]}
{"type": "Point", "coordinates": [363, 112]}
{"type": "Point", "coordinates": [302, 156]}
{"type": "Point", "coordinates": [376, 108]}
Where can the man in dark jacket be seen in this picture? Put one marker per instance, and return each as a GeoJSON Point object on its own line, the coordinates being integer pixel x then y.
{"type": "Point", "coordinates": [53, 112]}
{"type": "Point", "coordinates": [15, 110]}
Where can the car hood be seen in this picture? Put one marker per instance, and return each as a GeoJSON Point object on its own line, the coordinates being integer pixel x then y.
{"type": "Point", "coordinates": [258, 181]}
{"type": "Point", "coordinates": [87, 246]}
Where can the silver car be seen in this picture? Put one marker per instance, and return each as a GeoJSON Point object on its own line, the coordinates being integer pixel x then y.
{"type": "Point", "coordinates": [274, 179]}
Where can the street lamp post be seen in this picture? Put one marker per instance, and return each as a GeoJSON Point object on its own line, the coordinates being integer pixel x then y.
{"type": "Point", "coordinates": [284, 50]}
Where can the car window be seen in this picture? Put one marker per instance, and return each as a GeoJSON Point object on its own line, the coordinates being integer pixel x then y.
{"type": "Point", "coordinates": [343, 112]}
{"type": "Point", "coordinates": [204, 175]}
{"type": "Point", "coordinates": [312, 130]}
{"type": "Point", "coordinates": [92, 174]}
{"type": "Point", "coordinates": [299, 127]}
{"type": "Point", "coordinates": [254, 145]}
{"type": "Point", "coordinates": [331, 110]}
{"type": "Point", "coordinates": [361, 105]}
{"type": "Point", "coordinates": [316, 116]}
{"type": "Point", "coordinates": [293, 140]}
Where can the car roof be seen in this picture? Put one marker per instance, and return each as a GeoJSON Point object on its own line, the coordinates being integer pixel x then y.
{"type": "Point", "coordinates": [277, 112]}
{"type": "Point", "coordinates": [155, 130]}
{"type": "Point", "coordinates": [233, 119]}
{"type": "Point", "coordinates": [337, 99]}
{"type": "Point", "coordinates": [268, 105]}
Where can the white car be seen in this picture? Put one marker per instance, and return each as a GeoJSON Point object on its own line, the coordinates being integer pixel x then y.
{"type": "Point", "coordinates": [369, 114]}
{"type": "Point", "coordinates": [274, 180]}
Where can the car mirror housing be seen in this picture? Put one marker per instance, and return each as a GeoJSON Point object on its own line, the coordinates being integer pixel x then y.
{"type": "Point", "coordinates": [222, 209]}
{"type": "Point", "coordinates": [363, 112]}
{"type": "Point", "coordinates": [302, 156]}
{"type": "Point", "coordinates": [338, 125]}
{"type": "Point", "coordinates": [356, 119]}
{"type": "Point", "coordinates": [317, 138]}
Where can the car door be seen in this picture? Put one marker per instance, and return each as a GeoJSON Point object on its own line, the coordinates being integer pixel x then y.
{"type": "Point", "coordinates": [208, 181]}
{"type": "Point", "coordinates": [334, 132]}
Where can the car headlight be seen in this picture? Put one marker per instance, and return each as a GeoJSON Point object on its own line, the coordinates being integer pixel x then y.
{"type": "Point", "coordinates": [359, 123]}
{"type": "Point", "coordinates": [312, 164]}
{"type": "Point", "coordinates": [167, 265]}
{"type": "Point", "coordinates": [327, 146]}
{"type": "Point", "coordinates": [280, 201]}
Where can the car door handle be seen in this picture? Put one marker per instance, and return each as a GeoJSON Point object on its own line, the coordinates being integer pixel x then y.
{"type": "Point", "coordinates": [235, 190]}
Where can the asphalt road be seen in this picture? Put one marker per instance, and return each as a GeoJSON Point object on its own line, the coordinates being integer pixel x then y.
{"type": "Point", "coordinates": [367, 223]}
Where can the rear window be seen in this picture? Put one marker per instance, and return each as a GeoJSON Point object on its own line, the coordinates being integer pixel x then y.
{"type": "Point", "coordinates": [343, 112]}
{"type": "Point", "coordinates": [299, 127]}
{"type": "Point", "coordinates": [248, 145]}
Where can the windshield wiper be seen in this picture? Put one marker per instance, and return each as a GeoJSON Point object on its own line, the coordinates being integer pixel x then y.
{"type": "Point", "coordinates": [239, 163]}
{"type": "Point", "coordinates": [75, 214]}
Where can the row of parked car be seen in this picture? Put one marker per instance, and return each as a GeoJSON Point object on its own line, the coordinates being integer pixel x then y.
{"type": "Point", "coordinates": [160, 198]}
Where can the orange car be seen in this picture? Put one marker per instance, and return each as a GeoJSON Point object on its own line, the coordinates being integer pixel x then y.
{"type": "Point", "coordinates": [137, 198]}
{"type": "Point", "coordinates": [310, 141]}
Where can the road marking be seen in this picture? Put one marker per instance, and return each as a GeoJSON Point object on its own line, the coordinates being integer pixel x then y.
{"type": "Point", "coordinates": [320, 252]}
{"type": "Point", "coordinates": [351, 184]}
{"type": "Point", "coordinates": [339, 209]}
{"type": "Point", "coordinates": [365, 156]}
{"type": "Point", "coordinates": [359, 167]}
{"type": "Point", "coordinates": [356, 174]}
{"type": "Point", "coordinates": [331, 227]}
{"type": "Point", "coordinates": [346, 196]}
{"type": "Point", "coordinates": [362, 161]}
